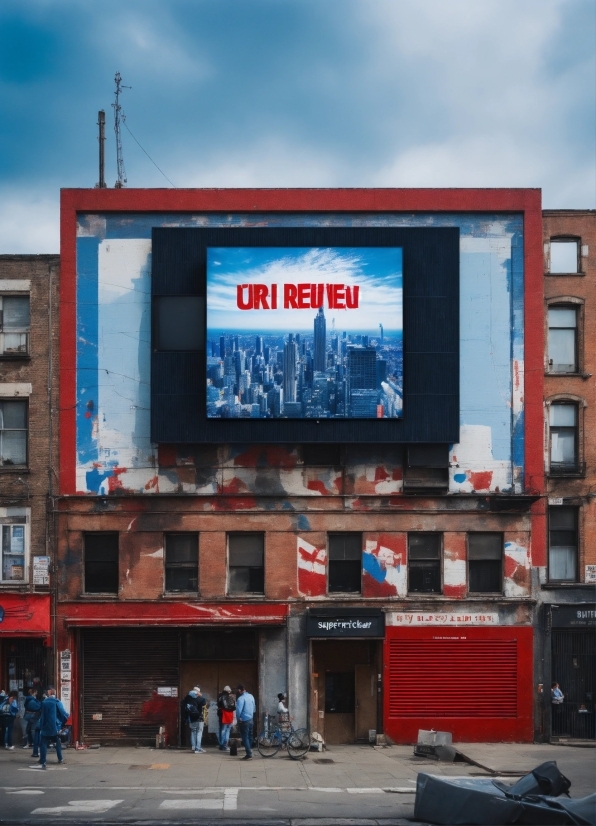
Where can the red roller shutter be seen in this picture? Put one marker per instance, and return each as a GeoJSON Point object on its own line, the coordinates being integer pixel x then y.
{"type": "Point", "coordinates": [476, 683]}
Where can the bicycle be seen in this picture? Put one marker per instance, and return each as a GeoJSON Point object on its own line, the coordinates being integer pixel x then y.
{"type": "Point", "coordinates": [271, 740]}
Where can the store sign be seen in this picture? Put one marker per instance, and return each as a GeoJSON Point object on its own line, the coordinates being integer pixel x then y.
{"type": "Point", "coordinates": [574, 616]}
{"type": "Point", "coordinates": [349, 624]}
{"type": "Point", "coordinates": [455, 619]}
{"type": "Point", "coordinates": [590, 574]}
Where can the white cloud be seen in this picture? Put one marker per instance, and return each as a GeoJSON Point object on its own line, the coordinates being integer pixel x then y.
{"type": "Point", "coordinates": [29, 221]}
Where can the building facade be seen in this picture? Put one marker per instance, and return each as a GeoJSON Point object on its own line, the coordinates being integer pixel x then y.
{"type": "Point", "coordinates": [28, 465]}
{"type": "Point", "coordinates": [567, 625]}
{"type": "Point", "coordinates": [379, 571]}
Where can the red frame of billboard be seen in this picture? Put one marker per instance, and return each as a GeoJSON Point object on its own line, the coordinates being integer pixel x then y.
{"type": "Point", "coordinates": [525, 201]}
{"type": "Point", "coordinates": [469, 729]}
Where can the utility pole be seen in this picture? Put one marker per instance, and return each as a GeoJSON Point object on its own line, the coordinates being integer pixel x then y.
{"type": "Point", "coordinates": [118, 116]}
{"type": "Point", "coordinates": [101, 122]}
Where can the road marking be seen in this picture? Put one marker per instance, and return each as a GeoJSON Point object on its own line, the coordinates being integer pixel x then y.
{"type": "Point", "coordinates": [87, 806]}
{"type": "Point", "coordinates": [27, 791]}
{"type": "Point", "coordinates": [230, 799]}
{"type": "Point", "coordinates": [191, 804]}
{"type": "Point", "coordinates": [48, 769]}
{"type": "Point", "coordinates": [365, 791]}
{"type": "Point", "coordinates": [399, 790]}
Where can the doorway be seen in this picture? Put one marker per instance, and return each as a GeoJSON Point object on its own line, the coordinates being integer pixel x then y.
{"type": "Point", "coordinates": [345, 691]}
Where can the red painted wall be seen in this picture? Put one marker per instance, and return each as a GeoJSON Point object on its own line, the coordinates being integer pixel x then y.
{"type": "Point", "coordinates": [24, 615]}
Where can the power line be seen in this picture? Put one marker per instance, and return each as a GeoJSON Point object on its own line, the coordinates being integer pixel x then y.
{"type": "Point", "coordinates": [146, 153]}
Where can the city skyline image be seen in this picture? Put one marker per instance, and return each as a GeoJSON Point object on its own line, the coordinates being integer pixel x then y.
{"type": "Point", "coordinates": [304, 333]}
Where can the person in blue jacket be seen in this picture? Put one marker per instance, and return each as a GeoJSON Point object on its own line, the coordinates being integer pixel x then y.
{"type": "Point", "coordinates": [9, 708]}
{"type": "Point", "coordinates": [53, 716]}
{"type": "Point", "coordinates": [32, 714]}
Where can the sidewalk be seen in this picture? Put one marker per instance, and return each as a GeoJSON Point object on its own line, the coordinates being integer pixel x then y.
{"type": "Point", "coordinates": [344, 784]}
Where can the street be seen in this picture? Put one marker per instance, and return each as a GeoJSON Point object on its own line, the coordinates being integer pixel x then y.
{"type": "Point", "coordinates": [346, 784]}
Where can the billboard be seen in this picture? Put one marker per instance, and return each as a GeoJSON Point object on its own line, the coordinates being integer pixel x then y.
{"type": "Point", "coordinates": [304, 333]}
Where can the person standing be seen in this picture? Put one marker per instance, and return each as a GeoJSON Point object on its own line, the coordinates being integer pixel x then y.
{"type": "Point", "coordinates": [226, 705]}
{"type": "Point", "coordinates": [245, 712]}
{"type": "Point", "coordinates": [193, 714]}
{"type": "Point", "coordinates": [32, 713]}
{"type": "Point", "coordinates": [53, 717]}
{"type": "Point", "coordinates": [557, 698]}
{"type": "Point", "coordinates": [9, 708]}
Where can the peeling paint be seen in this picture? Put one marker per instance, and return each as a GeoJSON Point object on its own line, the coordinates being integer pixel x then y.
{"type": "Point", "coordinates": [312, 569]}
{"type": "Point", "coordinates": [384, 566]}
{"type": "Point", "coordinates": [517, 570]}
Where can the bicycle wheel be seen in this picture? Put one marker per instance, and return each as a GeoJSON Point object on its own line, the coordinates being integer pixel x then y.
{"type": "Point", "coordinates": [269, 743]}
{"type": "Point", "coordinates": [298, 743]}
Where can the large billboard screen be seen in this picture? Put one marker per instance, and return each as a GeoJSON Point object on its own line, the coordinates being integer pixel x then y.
{"type": "Point", "coordinates": [304, 333]}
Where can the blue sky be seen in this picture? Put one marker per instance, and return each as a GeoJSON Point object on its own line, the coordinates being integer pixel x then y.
{"type": "Point", "coordinates": [295, 93]}
{"type": "Point", "coordinates": [377, 272]}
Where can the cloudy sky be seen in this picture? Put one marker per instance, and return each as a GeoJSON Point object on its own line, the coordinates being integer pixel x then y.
{"type": "Point", "coordinates": [295, 93]}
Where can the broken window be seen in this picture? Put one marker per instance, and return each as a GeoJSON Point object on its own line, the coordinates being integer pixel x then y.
{"type": "Point", "coordinates": [179, 323]}
{"type": "Point", "coordinates": [562, 339]}
{"type": "Point", "coordinates": [563, 437]}
{"type": "Point", "coordinates": [246, 555]}
{"type": "Point", "coordinates": [15, 324]}
{"type": "Point", "coordinates": [182, 562]}
{"type": "Point", "coordinates": [13, 433]}
{"type": "Point", "coordinates": [562, 544]}
{"type": "Point", "coordinates": [345, 563]}
{"type": "Point", "coordinates": [101, 563]}
{"type": "Point", "coordinates": [424, 563]}
{"type": "Point", "coordinates": [485, 563]}
{"type": "Point", "coordinates": [564, 256]}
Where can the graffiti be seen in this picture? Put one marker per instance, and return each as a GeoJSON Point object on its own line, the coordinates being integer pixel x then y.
{"type": "Point", "coordinates": [312, 569]}
{"type": "Point", "coordinates": [384, 568]}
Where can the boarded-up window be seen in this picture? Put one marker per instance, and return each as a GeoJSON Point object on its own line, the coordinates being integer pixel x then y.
{"type": "Point", "coordinates": [485, 562]}
{"type": "Point", "coordinates": [424, 563]}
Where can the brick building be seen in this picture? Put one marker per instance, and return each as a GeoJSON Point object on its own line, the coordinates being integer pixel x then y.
{"type": "Point", "coordinates": [211, 531]}
{"type": "Point", "coordinates": [28, 464]}
{"type": "Point", "coordinates": [568, 621]}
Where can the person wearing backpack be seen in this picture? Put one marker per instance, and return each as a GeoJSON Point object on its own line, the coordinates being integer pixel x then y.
{"type": "Point", "coordinates": [9, 708]}
{"type": "Point", "coordinates": [193, 713]}
{"type": "Point", "coordinates": [226, 705]}
{"type": "Point", "coordinates": [32, 715]}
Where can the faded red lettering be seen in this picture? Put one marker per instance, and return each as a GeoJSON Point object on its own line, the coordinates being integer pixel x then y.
{"type": "Point", "coordinates": [260, 297]}
{"type": "Point", "coordinates": [274, 296]}
{"type": "Point", "coordinates": [303, 296]}
{"type": "Point", "coordinates": [339, 294]}
{"type": "Point", "coordinates": [290, 293]}
{"type": "Point", "coordinates": [240, 302]}
{"type": "Point", "coordinates": [316, 296]}
{"type": "Point", "coordinates": [352, 295]}
{"type": "Point", "coordinates": [330, 296]}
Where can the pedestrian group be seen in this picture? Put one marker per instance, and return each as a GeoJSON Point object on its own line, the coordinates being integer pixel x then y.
{"type": "Point", "coordinates": [45, 717]}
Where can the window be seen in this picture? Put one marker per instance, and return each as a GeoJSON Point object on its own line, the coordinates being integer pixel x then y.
{"type": "Point", "coordinates": [562, 339]}
{"type": "Point", "coordinates": [424, 563]}
{"type": "Point", "coordinates": [564, 256]}
{"type": "Point", "coordinates": [182, 562]}
{"type": "Point", "coordinates": [345, 563]}
{"type": "Point", "coordinates": [179, 323]}
{"type": "Point", "coordinates": [563, 437]}
{"type": "Point", "coordinates": [340, 692]}
{"type": "Point", "coordinates": [562, 544]}
{"type": "Point", "coordinates": [246, 553]}
{"type": "Point", "coordinates": [15, 324]}
{"type": "Point", "coordinates": [101, 563]}
{"type": "Point", "coordinates": [13, 553]}
{"type": "Point", "coordinates": [13, 433]}
{"type": "Point", "coordinates": [426, 468]}
{"type": "Point", "coordinates": [485, 563]}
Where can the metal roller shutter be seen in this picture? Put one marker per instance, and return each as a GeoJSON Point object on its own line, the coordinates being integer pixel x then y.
{"type": "Point", "coordinates": [453, 678]}
{"type": "Point", "coordinates": [122, 670]}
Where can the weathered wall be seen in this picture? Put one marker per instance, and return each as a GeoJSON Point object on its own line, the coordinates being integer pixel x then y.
{"type": "Point", "coordinates": [114, 453]}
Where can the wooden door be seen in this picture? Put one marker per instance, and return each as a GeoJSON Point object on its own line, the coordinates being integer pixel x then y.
{"type": "Point", "coordinates": [366, 700]}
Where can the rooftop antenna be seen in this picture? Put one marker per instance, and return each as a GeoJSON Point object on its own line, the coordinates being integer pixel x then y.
{"type": "Point", "coordinates": [101, 122]}
{"type": "Point", "coordinates": [118, 116]}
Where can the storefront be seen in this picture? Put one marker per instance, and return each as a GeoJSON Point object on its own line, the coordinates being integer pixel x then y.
{"type": "Point", "coordinates": [345, 669]}
{"type": "Point", "coordinates": [458, 672]}
{"type": "Point", "coordinates": [24, 641]}
{"type": "Point", "coordinates": [573, 666]}
{"type": "Point", "coordinates": [132, 664]}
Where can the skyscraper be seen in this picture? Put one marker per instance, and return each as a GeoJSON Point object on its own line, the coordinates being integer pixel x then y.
{"type": "Point", "coordinates": [362, 376]}
{"type": "Point", "coordinates": [290, 369]}
{"type": "Point", "coordinates": [320, 343]}
{"type": "Point", "coordinates": [222, 347]}
{"type": "Point", "coordinates": [259, 346]}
